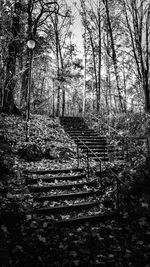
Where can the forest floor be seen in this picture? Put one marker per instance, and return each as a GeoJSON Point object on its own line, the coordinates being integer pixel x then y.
{"type": "Point", "coordinates": [28, 242]}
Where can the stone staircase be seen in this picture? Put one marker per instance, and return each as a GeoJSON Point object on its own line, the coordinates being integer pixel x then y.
{"type": "Point", "coordinates": [67, 196]}
{"type": "Point", "coordinates": [86, 138]}
{"type": "Point", "coordinates": [76, 195]}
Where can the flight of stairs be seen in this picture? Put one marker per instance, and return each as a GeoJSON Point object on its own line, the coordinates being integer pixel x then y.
{"type": "Point", "coordinates": [76, 195]}
{"type": "Point", "coordinates": [66, 196]}
{"type": "Point", "coordinates": [86, 138]}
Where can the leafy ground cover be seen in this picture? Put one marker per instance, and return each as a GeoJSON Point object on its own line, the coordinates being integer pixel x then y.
{"type": "Point", "coordinates": [32, 241]}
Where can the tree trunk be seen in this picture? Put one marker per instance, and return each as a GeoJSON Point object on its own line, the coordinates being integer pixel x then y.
{"type": "Point", "coordinates": [25, 76]}
{"type": "Point", "coordinates": [114, 57]}
{"type": "Point", "coordinates": [85, 63]}
{"type": "Point", "coordinates": [99, 60]}
{"type": "Point", "coordinates": [53, 99]}
{"type": "Point", "coordinates": [147, 70]}
{"type": "Point", "coordinates": [94, 66]}
{"type": "Point", "coordinates": [62, 80]}
{"type": "Point", "coordinates": [31, 33]}
{"type": "Point", "coordinates": [8, 104]}
{"type": "Point", "coordinates": [125, 86]}
{"type": "Point", "coordinates": [57, 63]}
{"type": "Point", "coordinates": [63, 101]}
{"type": "Point", "coordinates": [24, 85]}
{"type": "Point", "coordinates": [136, 31]}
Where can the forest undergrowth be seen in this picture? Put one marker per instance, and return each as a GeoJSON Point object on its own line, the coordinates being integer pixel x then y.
{"type": "Point", "coordinates": [31, 242]}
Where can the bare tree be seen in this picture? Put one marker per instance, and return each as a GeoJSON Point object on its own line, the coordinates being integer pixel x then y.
{"type": "Point", "coordinates": [137, 15]}
{"type": "Point", "coordinates": [114, 56]}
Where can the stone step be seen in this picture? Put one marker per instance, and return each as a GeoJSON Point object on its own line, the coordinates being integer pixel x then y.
{"type": "Point", "coordinates": [83, 135]}
{"type": "Point", "coordinates": [75, 127]}
{"type": "Point", "coordinates": [90, 148]}
{"type": "Point", "coordinates": [97, 154]}
{"type": "Point", "coordinates": [74, 123]}
{"type": "Point", "coordinates": [55, 171]}
{"type": "Point", "coordinates": [48, 188]}
{"type": "Point", "coordinates": [91, 139]}
{"type": "Point", "coordinates": [82, 132]}
{"type": "Point", "coordinates": [106, 158]}
{"type": "Point", "coordinates": [91, 142]}
{"type": "Point", "coordinates": [65, 208]}
{"type": "Point", "coordinates": [95, 138]}
{"type": "Point", "coordinates": [52, 179]}
{"type": "Point", "coordinates": [67, 196]}
{"type": "Point", "coordinates": [95, 150]}
{"type": "Point", "coordinates": [88, 219]}
{"type": "Point", "coordinates": [77, 130]}
{"type": "Point", "coordinates": [91, 152]}
{"type": "Point", "coordinates": [92, 145]}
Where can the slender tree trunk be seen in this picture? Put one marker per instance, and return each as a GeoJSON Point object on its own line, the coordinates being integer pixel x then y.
{"type": "Point", "coordinates": [63, 101]}
{"type": "Point", "coordinates": [32, 25]}
{"type": "Point", "coordinates": [1, 55]}
{"type": "Point", "coordinates": [106, 97]}
{"type": "Point", "coordinates": [2, 75]}
{"type": "Point", "coordinates": [93, 95]}
{"type": "Point", "coordinates": [8, 97]}
{"type": "Point", "coordinates": [8, 100]}
{"type": "Point", "coordinates": [114, 57]}
{"type": "Point", "coordinates": [53, 100]}
{"type": "Point", "coordinates": [99, 60]}
{"type": "Point", "coordinates": [108, 73]}
{"type": "Point", "coordinates": [109, 86]}
{"type": "Point", "coordinates": [24, 87]}
{"type": "Point", "coordinates": [57, 63]}
{"type": "Point", "coordinates": [85, 63]}
{"type": "Point", "coordinates": [85, 56]}
{"type": "Point", "coordinates": [125, 86]}
{"type": "Point", "coordinates": [62, 81]}
{"type": "Point", "coordinates": [147, 70]}
{"type": "Point", "coordinates": [94, 65]}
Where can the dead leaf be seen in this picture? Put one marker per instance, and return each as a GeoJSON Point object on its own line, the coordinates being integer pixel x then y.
{"type": "Point", "coordinates": [42, 239]}
{"type": "Point", "coordinates": [9, 195]}
{"type": "Point", "coordinates": [45, 225]}
{"type": "Point", "coordinates": [73, 254]}
{"type": "Point", "coordinates": [76, 263]}
{"type": "Point", "coordinates": [20, 248]}
{"type": "Point", "coordinates": [128, 254]}
{"type": "Point", "coordinates": [39, 258]}
{"type": "Point", "coordinates": [28, 217]}
{"type": "Point", "coordinates": [140, 242]}
{"type": "Point", "coordinates": [4, 228]}
{"type": "Point", "coordinates": [111, 256]}
{"type": "Point", "coordinates": [142, 221]}
{"type": "Point", "coordinates": [61, 245]}
{"type": "Point", "coordinates": [145, 205]}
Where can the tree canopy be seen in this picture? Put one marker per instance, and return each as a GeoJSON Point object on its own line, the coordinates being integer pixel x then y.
{"type": "Point", "coordinates": [111, 76]}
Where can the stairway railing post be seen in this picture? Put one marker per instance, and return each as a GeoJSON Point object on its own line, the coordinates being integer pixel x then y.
{"type": "Point", "coordinates": [100, 168]}
{"type": "Point", "coordinates": [99, 128]}
{"type": "Point", "coordinates": [104, 152]}
{"type": "Point", "coordinates": [118, 199]}
{"type": "Point", "coordinates": [88, 167]}
{"type": "Point", "coordinates": [148, 147]}
{"type": "Point", "coordinates": [127, 147]}
{"type": "Point", "coordinates": [148, 153]}
{"type": "Point", "coordinates": [78, 156]}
